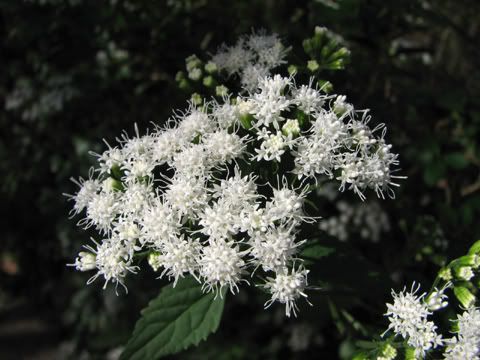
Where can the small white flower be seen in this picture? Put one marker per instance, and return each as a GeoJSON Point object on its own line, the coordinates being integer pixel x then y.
{"type": "Point", "coordinates": [287, 287]}
{"type": "Point", "coordinates": [101, 211]}
{"type": "Point", "coordinates": [88, 190]}
{"type": "Point", "coordinates": [195, 123]}
{"type": "Point", "coordinates": [437, 299]}
{"type": "Point", "coordinates": [85, 261]}
{"type": "Point", "coordinates": [222, 147]}
{"type": "Point", "coordinates": [233, 59]}
{"type": "Point", "coordinates": [273, 146]}
{"type": "Point", "coordinates": [158, 224]}
{"type": "Point", "coordinates": [178, 257]}
{"type": "Point", "coordinates": [136, 197]}
{"type": "Point", "coordinates": [252, 75]}
{"type": "Point", "coordinates": [221, 265]}
{"type": "Point", "coordinates": [274, 249]}
{"type": "Point", "coordinates": [186, 196]}
{"type": "Point", "coordinates": [309, 100]}
{"type": "Point", "coordinates": [217, 221]}
{"type": "Point", "coordinates": [192, 161]}
{"type": "Point", "coordinates": [113, 262]}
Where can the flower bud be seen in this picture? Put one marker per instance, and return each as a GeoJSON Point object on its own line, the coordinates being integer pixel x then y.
{"type": "Point", "coordinates": [221, 90]}
{"type": "Point", "coordinates": [388, 352]}
{"type": "Point", "coordinates": [464, 295]}
{"type": "Point", "coordinates": [445, 274]}
{"type": "Point", "coordinates": [195, 74]}
{"type": "Point", "coordinates": [196, 99]}
{"type": "Point", "coordinates": [292, 69]}
{"type": "Point", "coordinates": [85, 261]}
{"type": "Point", "coordinates": [154, 260]}
{"type": "Point", "coordinates": [211, 67]}
{"type": "Point", "coordinates": [464, 273]}
{"type": "Point", "coordinates": [313, 65]}
{"type": "Point", "coordinates": [193, 62]}
{"type": "Point", "coordinates": [291, 128]}
{"type": "Point", "coordinates": [208, 81]}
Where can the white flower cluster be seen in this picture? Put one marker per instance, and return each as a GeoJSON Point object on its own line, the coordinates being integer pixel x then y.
{"type": "Point", "coordinates": [42, 97]}
{"type": "Point", "coordinates": [211, 195]}
{"type": "Point", "coordinates": [366, 219]}
{"type": "Point", "coordinates": [251, 58]}
{"type": "Point", "coordinates": [408, 317]}
{"type": "Point", "coordinates": [466, 345]}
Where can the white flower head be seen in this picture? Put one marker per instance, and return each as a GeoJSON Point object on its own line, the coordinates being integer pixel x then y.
{"type": "Point", "coordinates": [221, 265]}
{"type": "Point", "coordinates": [101, 211]}
{"type": "Point", "coordinates": [113, 262]}
{"type": "Point", "coordinates": [179, 257]}
{"type": "Point", "coordinates": [88, 189]}
{"type": "Point", "coordinates": [287, 287]}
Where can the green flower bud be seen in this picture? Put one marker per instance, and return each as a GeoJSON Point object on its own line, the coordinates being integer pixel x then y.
{"type": "Point", "coordinates": [313, 65]}
{"type": "Point", "coordinates": [184, 84]}
{"type": "Point", "coordinates": [291, 128]}
{"type": "Point", "coordinates": [325, 85]}
{"type": "Point", "coordinates": [196, 99]}
{"type": "Point", "coordinates": [320, 30]}
{"type": "Point", "coordinates": [246, 121]}
{"type": "Point", "coordinates": [211, 67]}
{"type": "Point", "coordinates": [86, 261]}
{"type": "Point", "coordinates": [111, 184]}
{"type": "Point", "coordinates": [195, 74]}
{"type": "Point", "coordinates": [388, 352]}
{"type": "Point", "coordinates": [221, 90]}
{"type": "Point", "coordinates": [179, 76]}
{"type": "Point", "coordinates": [464, 273]}
{"type": "Point", "coordinates": [208, 81]}
{"type": "Point", "coordinates": [410, 354]}
{"type": "Point", "coordinates": [154, 260]}
{"type": "Point", "coordinates": [464, 295]}
{"type": "Point", "coordinates": [292, 69]}
{"type": "Point", "coordinates": [445, 274]}
{"type": "Point", "coordinates": [193, 62]}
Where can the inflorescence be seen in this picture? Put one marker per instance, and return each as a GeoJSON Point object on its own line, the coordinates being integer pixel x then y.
{"type": "Point", "coordinates": [219, 192]}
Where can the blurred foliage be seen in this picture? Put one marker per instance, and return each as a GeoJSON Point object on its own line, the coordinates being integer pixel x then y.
{"type": "Point", "coordinates": [77, 71]}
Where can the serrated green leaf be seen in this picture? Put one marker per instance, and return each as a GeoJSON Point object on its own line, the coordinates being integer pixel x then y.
{"type": "Point", "coordinates": [179, 317]}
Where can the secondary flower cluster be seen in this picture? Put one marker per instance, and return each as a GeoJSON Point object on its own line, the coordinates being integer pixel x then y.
{"type": "Point", "coordinates": [212, 194]}
{"type": "Point", "coordinates": [408, 316]}
{"type": "Point", "coordinates": [251, 58]}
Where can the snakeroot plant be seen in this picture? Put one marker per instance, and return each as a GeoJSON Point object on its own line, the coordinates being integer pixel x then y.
{"type": "Point", "coordinates": [219, 198]}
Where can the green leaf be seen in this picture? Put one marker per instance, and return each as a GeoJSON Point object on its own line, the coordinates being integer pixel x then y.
{"type": "Point", "coordinates": [456, 160]}
{"type": "Point", "coordinates": [179, 317]}
{"type": "Point", "coordinates": [315, 251]}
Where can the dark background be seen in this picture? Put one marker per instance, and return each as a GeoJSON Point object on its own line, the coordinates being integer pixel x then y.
{"type": "Point", "coordinates": [75, 72]}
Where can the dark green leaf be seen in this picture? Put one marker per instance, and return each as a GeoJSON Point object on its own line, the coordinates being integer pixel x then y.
{"type": "Point", "coordinates": [179, 317]}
